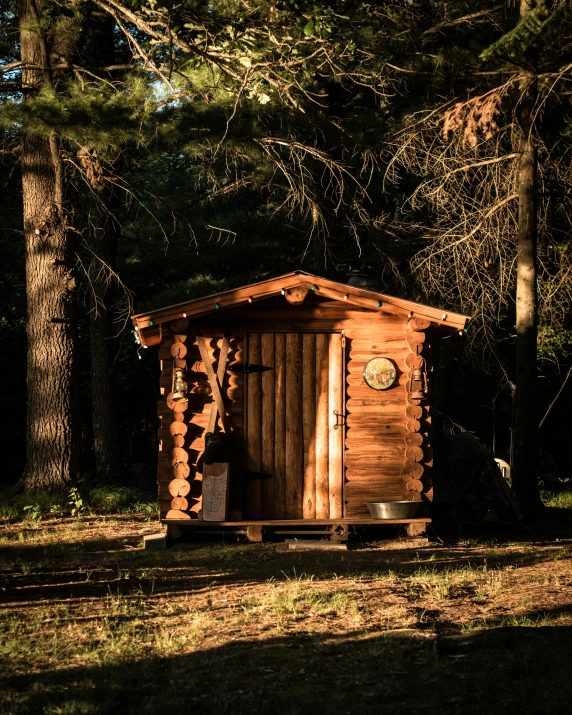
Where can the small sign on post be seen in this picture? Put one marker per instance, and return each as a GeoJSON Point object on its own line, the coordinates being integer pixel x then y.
{"type": "Point", "coordinates": [215, 491]}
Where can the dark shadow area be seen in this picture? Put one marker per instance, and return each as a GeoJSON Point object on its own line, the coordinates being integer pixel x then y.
{"type": "Point", "coordinates": [508, 670]}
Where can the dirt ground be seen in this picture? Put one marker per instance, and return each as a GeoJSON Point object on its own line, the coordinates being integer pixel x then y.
{"type": "Point", "coordinates": [92, 623]}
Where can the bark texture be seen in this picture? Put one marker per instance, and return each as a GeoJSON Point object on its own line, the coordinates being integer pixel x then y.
{"type": "Point", "coordinates": [525, 417]}
{"type": "Point", "coordinates": [51, 284]}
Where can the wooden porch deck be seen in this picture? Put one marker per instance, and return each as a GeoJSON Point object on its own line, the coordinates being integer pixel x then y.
{"type": "Point", "coordinates": [338, 528]}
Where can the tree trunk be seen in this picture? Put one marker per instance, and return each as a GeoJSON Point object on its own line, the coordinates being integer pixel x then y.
{"type": "Point", "coordinates": [525, 418]}
{"type": "Point", "coordinates": [106, 442]}
{"type": "Point", "coordinates": [51, 286]}
{"type": "Point", "coordinates": [106, 234]}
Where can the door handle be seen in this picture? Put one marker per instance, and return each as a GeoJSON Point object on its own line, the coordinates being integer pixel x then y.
{"type": "Point", "coordinates": [340, 419]}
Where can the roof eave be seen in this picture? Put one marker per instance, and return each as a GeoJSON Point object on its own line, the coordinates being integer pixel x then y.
{"type": "Point", "coordinates": [338, 291]}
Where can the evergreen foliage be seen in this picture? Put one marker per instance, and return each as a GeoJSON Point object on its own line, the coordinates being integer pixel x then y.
{"type": "Point", "coordinates": [246, 140]}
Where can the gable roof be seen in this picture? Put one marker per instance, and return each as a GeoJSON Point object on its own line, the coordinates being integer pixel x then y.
{"type": "Point", "coordinates": [149, 323]}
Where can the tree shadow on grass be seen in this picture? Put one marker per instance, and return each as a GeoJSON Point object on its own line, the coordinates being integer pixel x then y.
{"type": "Point", "coordinates": [502, 670]}
{"type": "Point", "coordinates": [35, 573]}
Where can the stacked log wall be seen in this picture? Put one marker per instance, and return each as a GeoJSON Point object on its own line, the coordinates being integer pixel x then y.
{"type": "Point", "coordinates": [376, 421]}
{"type": "Point", "coordinates": [182, 425]}
{"type": "Point", "coordinates": [416, 472]}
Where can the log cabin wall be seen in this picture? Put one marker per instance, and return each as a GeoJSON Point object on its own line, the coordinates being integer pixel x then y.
{"type": "Point", "coordinates": [385, 436]}
{"type": "Point", "coordinates": [183, 425]}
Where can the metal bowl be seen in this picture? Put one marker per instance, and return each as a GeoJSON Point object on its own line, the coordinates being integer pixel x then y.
{"type": "Point", "coordinates": [393, 509]}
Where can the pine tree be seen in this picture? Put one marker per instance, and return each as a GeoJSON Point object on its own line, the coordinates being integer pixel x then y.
{"type": "Point", "coordinates": [475, 158]}
{"type": "Point", "coordinates": [269, 65]}
{"type": "Point", "coordinates": [51, 281]}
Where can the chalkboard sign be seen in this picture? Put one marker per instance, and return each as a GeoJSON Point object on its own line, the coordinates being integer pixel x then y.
{"type": "Point", "coordinates": [215, 491]}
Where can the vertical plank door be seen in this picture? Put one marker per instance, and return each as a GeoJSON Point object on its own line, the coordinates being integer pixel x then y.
{"type": "Point", "coordinates": [267, 411]}
{"type": "Point", "coordinates": [291, 424]}
{"type": "Point", "coordinates": [254, 427]}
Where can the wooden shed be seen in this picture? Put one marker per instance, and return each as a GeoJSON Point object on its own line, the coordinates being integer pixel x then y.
{"type": "Point", "coordinates": [314, 429]}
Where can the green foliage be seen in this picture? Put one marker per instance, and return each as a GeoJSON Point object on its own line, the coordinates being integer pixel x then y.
{"type": "Point", "coordinates": [33, 512]}
{"type": "Point", "coordinates": [561, 500]}
{"type": "Point", "coordinates": [554, 343]}
{"type": "Point", "coordinates": [538, 31]}
{"type": "Point", "coordinates": [16, 503]}
{"type": "Point", "coordinates": [34, 505]}
{"type": "Point", "coordinates": [85, 113]}
{"type": "Point", "coordinates": [247, 144]}
{"type": "Point", "coordinates": [121, 499]}
{"type": "Point", "coordinates": [78, 508]}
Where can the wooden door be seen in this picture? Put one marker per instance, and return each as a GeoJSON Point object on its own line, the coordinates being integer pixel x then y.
{"type": "Point", "coordinates": [291, 426]}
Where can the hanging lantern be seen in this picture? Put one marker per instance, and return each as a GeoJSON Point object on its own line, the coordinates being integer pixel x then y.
{"type": "Point", "coordinates": [180, 385]}
{"type": "Point", "coordinates": [418, 385]}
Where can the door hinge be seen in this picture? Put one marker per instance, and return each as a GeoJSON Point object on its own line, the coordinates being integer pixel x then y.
{"type": "Point", "coordinates": [245, 368]}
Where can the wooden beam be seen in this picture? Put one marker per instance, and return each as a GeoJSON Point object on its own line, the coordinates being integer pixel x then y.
{"type": "Point", "coordinates": [222, 360]}
{"type": "Point", "coordinates": [213, 381]}
{"type": "Point", "coordinates": [310, 522]}
{"type": "Point", "coordinates": [254, 533]}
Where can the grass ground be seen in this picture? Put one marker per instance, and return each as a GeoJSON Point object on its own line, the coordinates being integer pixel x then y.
{"type": "Point", "coordinates": [92, 623]}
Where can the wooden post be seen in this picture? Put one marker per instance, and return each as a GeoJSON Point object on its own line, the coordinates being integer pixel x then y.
{"type": "Point", "coordinates": [254, 533]}
{"type": "Point", "coordinates": [335, 429]}
{"type": "Point", "coordinates": [416, 528]}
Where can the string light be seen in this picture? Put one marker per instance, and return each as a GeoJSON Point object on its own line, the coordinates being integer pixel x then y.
{"type": "Point", "coordinates": [444, 316]}
{"type": "Point", "coordinates": [151, 323]}
{"type": "Point", "coordinates": [283, 291]}
{"type": "Point", "coordinates": [313, 287]}
{"type": "Point", "coordinates": [346, 296]}
{"type": "Point", "coordinates": [379, 304]}
{"type": "Point", "coordinates": [184, 315]}
{"type": "Point", "coordinates": [217, 306]}
{"type": "Point", "coordinates": [250, 299]}
{"type": "Point", "coordinates": [410, 314]}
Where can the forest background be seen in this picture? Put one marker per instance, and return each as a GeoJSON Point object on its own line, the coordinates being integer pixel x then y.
{"type": "Point", "coordinates": [164, 151]}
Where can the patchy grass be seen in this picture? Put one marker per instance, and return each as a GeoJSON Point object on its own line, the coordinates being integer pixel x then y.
{"type": "Point", "coordinates": [92, 623]}
{"type": "Point", "coordinates": [36, 504]}
{"type": "Point", "coordinates": [560, 500]}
